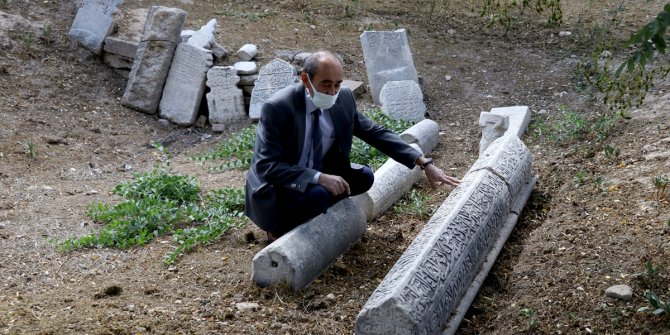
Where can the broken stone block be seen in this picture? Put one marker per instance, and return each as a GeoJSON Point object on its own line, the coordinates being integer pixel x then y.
{"type": "Point", "coordinates": [219, 50]}
{"type": "Point", "coordinates": [426, 134]}
{"type": "Point", "coordinates": [204, 37]}
{"type": "Point", "coordinates": [387, 58]}
{"type": "Point", "coordinates": [273, 77]}
{"type": "Point", "coordinates": [356, 87]}
{"type": "Point", "coordinates": [245, 68]}
{"type": "Point", "coordinates": [403, 100]}
{"type": "Point", "coordinates": [225, 100]}
{"type": "Point", "coordinates": [301, 255]}
{"type": "Point", "coordinates": [120, 47]}
{"type": "Point", "coordinates": [153, 58]}
{"type": "Point", "coordinates": [93, 23]}
{"type": "Point", "coordinates": [185, 84]}
{"type": "Point", "coordinates": [247, 52]}
{"type": "Point", "coordinates": [493, 126]}
{"type": "Point", "coordinates": [519, 118]}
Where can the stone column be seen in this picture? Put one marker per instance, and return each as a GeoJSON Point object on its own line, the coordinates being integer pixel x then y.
{"type": "Point", "coordinates": [427, 283]}
{"type": "Point", "coordinates": [153, 58]}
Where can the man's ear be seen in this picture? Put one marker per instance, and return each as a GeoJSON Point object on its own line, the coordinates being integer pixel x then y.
{"type": "Point", "coordinates": [305, 81]}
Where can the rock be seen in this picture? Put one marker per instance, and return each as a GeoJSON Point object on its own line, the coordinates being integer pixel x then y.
{"type": "Point", "coordinates": [93, 23]}
{"type": "Point", "coordinates": [330, 296]}
{"type": "Point", "coordinates": [219, 50]}
{"type": "Point", "coordinates": [565, 33]}
{"type": "Point", "coordinates": [247, 306]}
{"type": "Point", "coordinates": [238, 297]}
{"type": "Point", "coordinates": [623, 292]}
{"type": "Point", "coordinates": [129, 308]}
{"type": "Point", "coordinates": [204, 37]}
{"type": "Point", "coordinates": [447, 78]}
{"type": "Point", "coordinates": [247, 52]}
{"type": "Point", "coordinates": [245, 68]}
{"type": "Point", "coordinates": [225, 100]}
{"type": "Point", "coordinates": [201, 121]}
{"type": "Point", "coordinates": [3, 225]}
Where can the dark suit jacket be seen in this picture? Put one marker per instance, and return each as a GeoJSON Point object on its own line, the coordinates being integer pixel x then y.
{"type": "Point", "coordinates": [280, 135]}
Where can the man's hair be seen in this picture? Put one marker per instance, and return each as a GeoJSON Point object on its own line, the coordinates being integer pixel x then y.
{"type": "Point", "coordinates": [312, 61]}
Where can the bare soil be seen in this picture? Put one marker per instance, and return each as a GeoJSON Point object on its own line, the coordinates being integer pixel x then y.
{"type": "Point", "coordinates": [593, 220]}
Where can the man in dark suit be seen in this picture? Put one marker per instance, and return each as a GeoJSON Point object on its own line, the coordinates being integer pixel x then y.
{"type": "Point", "coordinates": [301, 163]}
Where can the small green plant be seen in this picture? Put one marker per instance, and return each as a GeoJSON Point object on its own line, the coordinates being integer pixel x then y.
{"type": "Point", "coordinates": [660, 183]}
{"type": "Point", "coordinates": [238, 150]}
{"type": "Point", "coordinates": [30, 149]}
{"type": "Point", "coordinates": [580, 178]}
{"type": "Point", "coordinates": [500, 12]}
{"type": "Point", "coordinates": [353, 9]}
{"type": "Point", "coordinates": [611, 151]}
{"type": "Point", "coordinates": [47, 34]}
{"type": "Point", "coordinates": [600, 183]}
{"type": "Point", "coordinates": [251, 16]}
{"type": "Point", "coordinates": [530, 314]}
{"type": "Point", "coordinates": [658, 307]}
{"type": "Point", "coordinates": [413, 203]}
{"type": "Point", "coordinates": [362, 152]}
{"type": "Point", "coordinates": [28, 39]}
{"type": "Point", "coordinates": [308, 16]}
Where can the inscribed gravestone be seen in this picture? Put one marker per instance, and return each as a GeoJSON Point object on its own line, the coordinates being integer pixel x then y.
{"type": "Point", "coordinates": [272, 78]}
{"type": "Point", "coordinates": [225, 100]}
{"type": "Point", "coordinates": [387, 57]}
{"type": "Point", "coordinates": [93, 23]}
{"type": "Point", "coordinates": [154, 55]}
{"type": "Point", "coordinates": [403, 100]}
{"type": "Point", "coordinates": [185, 84]}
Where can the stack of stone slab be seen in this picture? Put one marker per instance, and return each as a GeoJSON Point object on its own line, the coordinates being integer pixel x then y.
{"type": "Point", "coordinates": [120, 48]}
{"type": "Point", "coordinates": [273, 77]}
{"type": "Point", "coordinates": [387, 58]}
{"type": "Point", "coordinates": [248, 73]}
{"type": "Point", "coordinates": [93, 23]}
{"type": "Point", "coordinates": [302, 254]}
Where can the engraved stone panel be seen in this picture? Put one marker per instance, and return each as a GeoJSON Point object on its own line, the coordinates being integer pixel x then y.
{"type": "Point", "coordinates": [185, 84]}
{"type": "Point", "coordinates": [426, 284]}
{"type": "Point", "coordinates": [225, 100]}
{"type": "Point", "coordinates": [153, 58]}
{"type": "Point", "coordinates": [93, 23]}
{"type": "Point", "coordinates": [403, 100]}
{"type": "Point", "coordinates": [387, 57]}
{"type": "Point", "coordinates": [272, 78]}
{"type": "Point", "coordinates": [493, 126]}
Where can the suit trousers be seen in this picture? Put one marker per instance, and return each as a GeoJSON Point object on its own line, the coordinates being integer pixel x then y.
{"type": "Point", "coordinates": [298, 207]}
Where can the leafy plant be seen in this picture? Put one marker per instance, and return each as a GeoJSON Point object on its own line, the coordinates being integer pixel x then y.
{"type": "Point", "coordinates": [237, 150]}
{"type": "Point", "coordinates": [600, 183]}
{"type": "Point", "coordinates": [611, 151]}
{"type": "Point", "coordinates": [580, 178]}
{"type": "Point", "coordinates": [658, 307]}
{"type": "Point", "coordinates": [413, 203]}
{"type": "Point", "coordinates": [47, 34]}
{"type": "Point", "coordinates": [501, 11]}
{"type": "Point", "coordinates": [30, 149]}
{"type": "Point", "coordinates": [530, 314]}
{"type": "Point", "coordinates": [660, 183]}
{"type": "Point", "coordinates": [251, 16]}
{"type": "Point", "coordinates": [362, 152]}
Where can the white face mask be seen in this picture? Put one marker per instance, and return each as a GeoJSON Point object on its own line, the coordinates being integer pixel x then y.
{"type": "Point", "coordinates": [322, 100]}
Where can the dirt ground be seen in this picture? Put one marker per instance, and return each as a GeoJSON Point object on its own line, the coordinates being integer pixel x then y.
{"type": "Point", "coordinates": [593, 221]}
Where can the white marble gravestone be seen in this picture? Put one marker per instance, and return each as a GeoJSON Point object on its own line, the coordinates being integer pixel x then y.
{"type": "Point", "coordinates": [225, 100]}
{"type": "Point", "coordinates": [272, 78]}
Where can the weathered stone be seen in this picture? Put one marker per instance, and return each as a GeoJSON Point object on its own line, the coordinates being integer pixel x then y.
{"type": "Point", "coordinates": [392, 181]}
{"type": "Point", "coordinates": [247, 306]}
{"type": "Point", "coordinates": [245, 68]}
{"type": "Point", "coordinates": [493, 126]}
{"type": "Point", "coordinates": [201, 121]}
{"type": "Point", "coordinates": [204, 37]}
{"type": "Point", "coordinates": [120, 47]}
{"type": "Point", "coordinates": [153, 58]}
{"type": "Point", "coordinates": [356, 87]}
{"type": "Point", "coordinates": [300, 58]}
{"type": "Point", "coordinates": [247, 52]}
{"type": "Point", "coordinates": [426, 134]}
{"type": "Point", "coordinates": [623, 292]}
{"type": "Point", "coordinates": [403, 100]}
{"type": "Point", "coordinates": [225, 100]}
{"type": "Point", "coordinates": [302, 254]}
{"type": "Point", "coordinates": [387, 58]}
{"type": "Point", "coordinates": [93, 23]}
{"type": "Point", "coordinates": [219, 50]}
{"type": "Point", "coordinates": [272, 77]}
{"type": "Point", "coordinates": [130, 24]}
{"type": "Point", "coordinates": [117, 61]}
{"type": "Point", "coordinates": [186, 35]}
{"type": "Point", "coordinates": [185, 84]}
{"type": "Point", "coordinates": [218, 128]}
{"type": "Point", "coordinates": [248, 90]}
{"type": "Point", "coordinates": [519, 118]}
{"type": "Point", "coordinates": [430, 279]}
{"type": "Point", "coordinates": [248, 80]}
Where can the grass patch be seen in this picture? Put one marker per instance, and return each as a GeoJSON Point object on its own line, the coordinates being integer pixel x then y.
{"type": "Point", "coordinates": [251, 16]}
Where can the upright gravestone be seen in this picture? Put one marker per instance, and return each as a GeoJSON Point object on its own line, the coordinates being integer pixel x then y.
{"type": "Point", "coordinates": [225, 100]}
{"type": "Point", "coordinates": [154, 55]}
{"type": "Point", "coordinates": [403, 100]}
{"type": "Point", "coordinates": [93, 23]}
{"type": "Point", "coordinates": [387, 57]}
{"type": "Point", "coordinates": [272, 78]}
{"type": "Point", "coordinates": [185, 84]}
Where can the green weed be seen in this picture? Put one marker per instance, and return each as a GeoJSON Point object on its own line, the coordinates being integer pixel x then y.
{"type": "Point", "coordinates": [530, 314]}
{"type": "Point", "coordinates": [353, 9]}
{"type": "Point", "coordinates": [580, 178]}
{"type": "Point", "coordinates": [30, 149]}
{"type": "Point", "coordinates": [251, 16]}
{"type": "Point", "coordinates": [28, 40]}
{"type": "Point", "coordinates": [362, 152]}
{"type": "Point", "coordinates": [611, 151]}
{"type": "Point", "coordinates": [658, 307]}
{"type": "Point", "coordinates": [238, 150]}
{"type": "Point", "coordinates": [660, 183]}
{"type": "Point", "coordinates": [413, 203]}
{"type": "Point", "coordinates": [47, 34]}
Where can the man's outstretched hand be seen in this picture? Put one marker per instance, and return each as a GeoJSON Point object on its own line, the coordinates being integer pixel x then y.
{"type": "Point", "coordinates": [336, 185]}
{"type": "Point", "coordinates": [437, 177]}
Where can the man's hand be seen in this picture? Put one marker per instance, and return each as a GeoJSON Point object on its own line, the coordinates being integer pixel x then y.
{"type": "Point", "coordinates": [437, 177]}
{"type": "Point", "coordinates": [336, 185]}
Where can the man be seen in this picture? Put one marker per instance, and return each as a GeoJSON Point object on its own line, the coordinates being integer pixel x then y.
{"type": "Point", "coordinates": [301, 163]}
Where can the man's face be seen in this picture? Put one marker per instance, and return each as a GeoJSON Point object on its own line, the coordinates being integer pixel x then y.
{"type": "Point", "coordinates": [327, 79]}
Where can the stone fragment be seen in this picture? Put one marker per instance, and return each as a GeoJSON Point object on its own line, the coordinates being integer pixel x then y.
{"type": "Point", "coordinates": [93, 23]}
{"type": "Point", "coordinates": [387, 58]}
{"type": "Point", "coordinates": [117, 61]}
{"type": "Point", "coordinates": [426, 134]}
{"type": "Point", "coordinates": [430, 279]}
{"type": "Point", "coordinates": [120, 47]}
{"type": "Point", "coordinates": [493, 126]}
{"type": "Point", "coordinates": [623, 292]}
{"type": "Point", "coordinates": [130, 24]}
{"type": "Point", "coordinates": [519, 118]}
{"type": "Point", "coordinates": [300, 58]}
{"type": "Point", "coordinates": [273, 77]}
{"type": "Point", "coordinates": [247, 52]}
{"type": "Point", "coordinates": [356, 87]}
{"type": "Point", "coordinates": [201, 121]}
{"type": "Point", "coordinates": [204, 37]}
{"type": "Point", "coordinates": [245, 68]}
{"type": "Point", "coordinates": [302, 254]}
{"type": "Point", "coordinates": [185, 84]}
{"type": "Point", "coordinates": [153, 58]}
{"type": "Point", "coordinates": [219, 50]}
{"type": "Point", "coordinates": [218, 128]}
{"type": "Point", "coordinates": [225, 100]}
{"type": "Point", "coordinates": [392, 181]}
{"type": "Point", "coordinates": [247, 80]}
{"type": "Point", "coordinates": [186, 35]}
{"type": "Point", "coordinates": [3, 225]}
{"type": "Point", "coordinates": [247, 306]}
{"type": "Point", "coordinates": [403, 100]}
